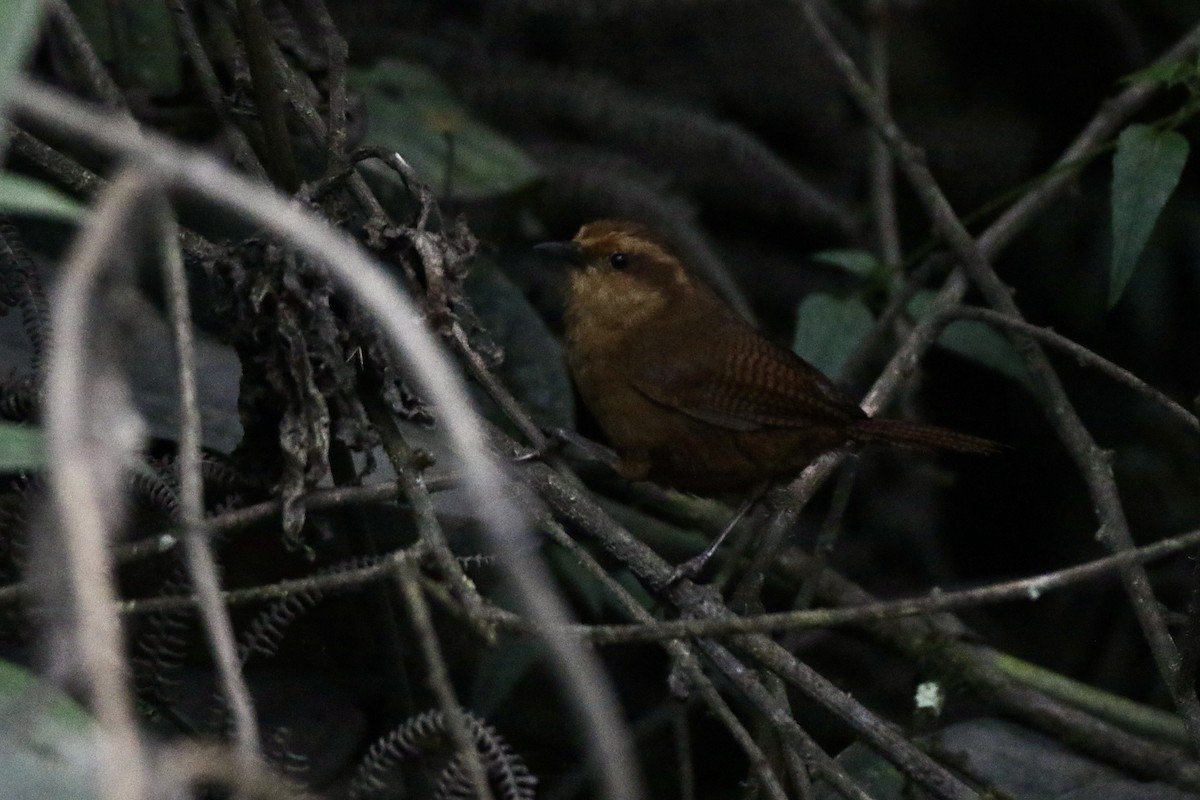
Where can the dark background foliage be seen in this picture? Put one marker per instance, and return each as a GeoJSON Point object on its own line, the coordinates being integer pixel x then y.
{"type": "Point", "coordinates": [722, 125]}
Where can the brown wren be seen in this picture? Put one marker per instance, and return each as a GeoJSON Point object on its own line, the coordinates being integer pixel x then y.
{"type": "Point", "coordinates": [690, 394]}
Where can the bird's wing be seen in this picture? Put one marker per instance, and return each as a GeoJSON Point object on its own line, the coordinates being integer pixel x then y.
{"type": "Point", "coordinates": [746, 384]}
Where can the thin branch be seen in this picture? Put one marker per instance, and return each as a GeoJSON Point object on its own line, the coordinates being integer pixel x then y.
{"type": "Point", "coordinates": [412, 484]}
{"type": "Point", "coordinates": [210, 87]}
{"type": "Point", "coordinates": [1094, 464]}
{"type": "Point", "coordinates": [586, 686]}
{"type": "Point", "coordinates": [439, 677]}
{"type": "Point", "coordinates": [92, 71]}
{"type": "Point", "coordinates": [656, 573]}
{"type": "Point", "coordinates": [1138, 718]}
{"type": "Point", "coordinates": [85, 484]}
{"type": "Point", "coordinates": [937, 642]}
{"type": "Point", "coordinates": [1111, 115]}
{"type": "Point", "coordinates": [318, 499]}
{"type": "Point", "coordinates": [905, 755]}
{"type": "Point", "coordinates": [1025, 589]}
{"type": "Point", "coordinates": [683, 655]}
{"type": "Point", "coordinates": [201, 565]}
{"type": "Point", "coordinates": [768, 705]}
{"type": "Point", "coordinates": [268, 99]}
{"type": "Point", "coordinates": [512, 409]}
{"type": "Point", "coordinates": [1189, 636]}
{"type": "Point", "coordinates": [336, 52]}
{"type": "Point", "coordinates": [1083, 355]}
{"type": "Point", "coordinates": [81, 181]}
{"type": "Point", "coordinates": [325, 582]}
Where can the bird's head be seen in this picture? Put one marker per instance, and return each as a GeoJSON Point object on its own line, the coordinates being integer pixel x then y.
{"type": "Point", "coordinates": [618, 266]}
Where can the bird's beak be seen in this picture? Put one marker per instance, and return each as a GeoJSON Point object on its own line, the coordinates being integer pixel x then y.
{"type": "Point", "coordinates": [565, 252]}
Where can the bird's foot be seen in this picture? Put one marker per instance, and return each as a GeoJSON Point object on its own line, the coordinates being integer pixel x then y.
{"type": "Point", "coordinates": [558, 438]}
{"type": "Point", "coordinates": [688, 569]}
{"type": "Point", "coordinates": [555, 438]}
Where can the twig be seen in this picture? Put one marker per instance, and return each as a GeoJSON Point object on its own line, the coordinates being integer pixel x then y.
{"type": "Point", "coordinates": [789, 504]}
{"type": "Point", "coordinates": [1143, 720]}
{"type": "Point", "coordinates": [1083, 355]}
{"type": "Point", "coordinates": [1189, 636]}
{"type": "Point", "coordinates": [277, 155]}
{"type": "Point", "coordinates": [85, 484]}
{"type": "Point", "coordinates": [83, 182]}
{"type": "Point", "coordinates": [201, 566]}
{"type": "Point", "coordinates": [408, 472]}
{"type": "Point", "coordinates": [655, 572]}
{"type": "Point", "coordinates": [93, 72]}
{"type": "Point", "coordinates": [1111, 115]}
{"type": "Point", "coordinates": [439, 677]}
{"type": "Point", "coordinates": [1027, 589]}
{"type": "Point", "coordinates": [210, 86]}
{"type": "Point", "coordinates": [831, 530]}
{"type": "Point", "coordinates": [906, 756]}
{"type": "Point", "coordinates": [498, 392]}
{"type": "Point", "coordinates": [75, 178]}
{"type": "Point", "coordinates": [318, 499]}
{"type": "Point", "coordinates": [325, 582]}
{"type": "Point", "coordinates": [434, 374]}
{"type": "Point", "coordinates": [1095, 465]}
{"type": "Point", "coordinates": [683, 655]}
{"type": "Point", "coordinates": [336, 52]}
{"type": "Point", "coordinates": [935, 641]}
{"type": "Point", "coordinates": [768, 705]}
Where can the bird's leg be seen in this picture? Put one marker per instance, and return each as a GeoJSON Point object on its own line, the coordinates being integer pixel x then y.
{"type": "Point", "coordinates": [691, 568]}
{"type": "Point", "coordinates": [557, 437]}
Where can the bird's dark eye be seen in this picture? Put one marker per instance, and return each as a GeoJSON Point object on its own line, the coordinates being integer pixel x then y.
{"type": "Point", "coordinates": [619, 260]}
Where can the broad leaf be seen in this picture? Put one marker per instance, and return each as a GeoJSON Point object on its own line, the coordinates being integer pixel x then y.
{"type": "Point", "coordinates": [22, 195]}
{"type": "Point", "coordinates": [410, 110]}
{"type": "Point", "coordinates": [828, 329]}
{"type": "Point", "coordinates": [1146, 169]}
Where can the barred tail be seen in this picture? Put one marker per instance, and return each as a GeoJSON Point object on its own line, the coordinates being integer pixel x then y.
{"type": "Point", "coordinates": [919, 436]}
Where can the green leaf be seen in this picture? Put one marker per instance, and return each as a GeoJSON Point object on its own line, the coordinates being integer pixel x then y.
{"type": "Point", "coordinates": [18, 32]}
{"type": "Point", "coordinates": [828, 329]}
{"type": "Point", "coordinates": [22, 195]}
{"type": "Point", "coordinates": [1146, 169]}
{"type": "Point", "coordinates": [857, 262]}
{"type": "Point", "coordinates": [410, 110]}
{"type": "Point", "coordinates": [47, 745]}
{"type": "Point", "coordinates": [21, 448]}
{"type": "Point", "coordinates": [975, 341]}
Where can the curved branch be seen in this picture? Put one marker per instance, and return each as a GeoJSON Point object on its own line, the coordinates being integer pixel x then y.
{"type": "Point", "coordinates": [586, 686]}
